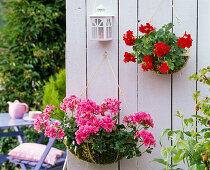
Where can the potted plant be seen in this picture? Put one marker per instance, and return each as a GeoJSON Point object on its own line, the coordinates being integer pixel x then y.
{"type": "Point", "coordinates": [190, 144]}
{"type": "Point", "coordinates": [160, 51]}
{"type": "Point", "coordinates": [93, 133]}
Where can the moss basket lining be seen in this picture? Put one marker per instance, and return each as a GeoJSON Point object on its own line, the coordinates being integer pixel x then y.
{"type": "Point", "coordinates": [85, 153]}
{"type": "Point", "coordinates": [185, 56]}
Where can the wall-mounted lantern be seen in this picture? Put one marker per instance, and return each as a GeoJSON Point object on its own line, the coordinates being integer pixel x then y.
{"type": "Point", "coordinates": [101, 25]}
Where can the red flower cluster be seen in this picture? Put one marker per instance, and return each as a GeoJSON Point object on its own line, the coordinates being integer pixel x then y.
{"type": "Point", "coordinates": [129, 38]}
{"type": "Point", "coordinates": [146, 29]}
{"type": "Point", "coordinates": [161, 49]}
{"type": "Point", "coordinates": [164, 67]}
{"type": "Point", "coordinates": [147, 63]}
{"type": "Point", "coordinates": [129, 57]}
{"type": "Point", "coordinates": [185, 41]}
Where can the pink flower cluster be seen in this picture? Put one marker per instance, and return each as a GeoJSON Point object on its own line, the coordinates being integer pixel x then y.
{"type": "Point", "coordinates": [146, 137]}
{"type": "Point", "coordinates": [70, 103]}
{"type": "Point", "coordinates": [87, 106]}
{"type": "Point", "coordinates": [53, 130]}
{"type": "Point", "coordinates": [107, 123]}
{"type": "Point", "coordinates": [90, 117]}
{"type": "Point", "coordinates": [112, 105]}
{"type": "Point", "coordinates": [84, 132]}
{"type": "Point", "coordinates": [140, 118]}
{"type": "Point", "coordinates": [43, 121]}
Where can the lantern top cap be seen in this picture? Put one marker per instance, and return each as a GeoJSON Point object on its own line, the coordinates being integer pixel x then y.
{"type": "Point", "coordinates": [101, 12]}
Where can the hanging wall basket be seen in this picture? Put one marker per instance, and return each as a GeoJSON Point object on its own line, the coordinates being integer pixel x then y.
{"type": "Point", "coordinates": [158, 50]}
{"type": "Point", "coordinates": [85, 153]}
{"type": "Point", "coordinates": [185, 56]}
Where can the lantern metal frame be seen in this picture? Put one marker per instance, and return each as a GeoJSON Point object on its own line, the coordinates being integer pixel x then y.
{"type": "Point", "coordinates": [101, 24]}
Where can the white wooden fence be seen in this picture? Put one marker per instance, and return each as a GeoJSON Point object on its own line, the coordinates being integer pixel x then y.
{"type": "Point", "coordinates": [159, 95]}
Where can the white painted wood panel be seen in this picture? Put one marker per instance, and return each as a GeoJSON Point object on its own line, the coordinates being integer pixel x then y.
{"type": "Point", "coordinates": [128, 71]}
{"type": "Point", "coordinates": [154, 91]}
{"type": "Point", "coordinates": [203, 43]}
{"type": "Point", "coordinates": [203, 40]}
{"type": "Point", "coordinates": [184, 12]}
{"type": "Point", "coordinates": [75, 58]}
{"type": "Point", "coordinates": [103, 85]}
{"type": "Point", "coordinates": [187, 14]}
{"type": "Point", "coordinates": [144, 91]}
{"type": "Point", "coordinates": [75, 47]}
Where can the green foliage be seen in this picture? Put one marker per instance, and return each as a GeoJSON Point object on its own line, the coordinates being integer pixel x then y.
{"type": "Point", "coordinates": [190, 144]}
{"type": "Point", "coordinates": [34, 48]}
{"type": "Point", "coordinates": [54, 92]}
{"type": "Point", "coordinates": [144, 45]}
{"type": "Point", "coordinates": [2, 14]}
{"type": "Point", "coordinates": [202, 102]}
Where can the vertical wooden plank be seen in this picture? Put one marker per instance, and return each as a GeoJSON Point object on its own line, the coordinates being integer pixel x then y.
{"type": "Point", "coordinates": [128, 71]}
{"type": "Point", "coordinates": [186, 12]}
{"type": "Point", "coordinates": [154, 91]}
{"type": "Point", "coordinates": [203, 58]}
{"type": "Point", "coordinates": [75, 59]}
{"type": "Point", "coordinates": [103, 85]}
{"type": "Point", "coordinates": [75, 46]}
{"type": "Point", "coordinates": [203, 37]}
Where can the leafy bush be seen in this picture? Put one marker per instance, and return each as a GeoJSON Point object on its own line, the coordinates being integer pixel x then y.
{"type": "Point", "coordinates": [191, 145]}
{"type": "Point", "coordinates": [2, 19]}
{"type": "Point", "coordinates": [34, 48]}
{"type": "Point", "coordinates": [54, 92]}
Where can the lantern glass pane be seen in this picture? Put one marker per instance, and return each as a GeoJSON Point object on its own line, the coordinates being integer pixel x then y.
{"type": "Point", "coordinates": [96, 21]}
{"type": "Point", "coordinates": [93, 22]}
{"type": "Point", "coordinates": [108, 23]}
{"type": "Point", "coordinates": [94, 32]}
{"type": "Point", "coordinates": [109, 32]}
{"type": "Point", "coordinates": [100, 22]}
{"type": "Point", "coordinates": [101, 32]}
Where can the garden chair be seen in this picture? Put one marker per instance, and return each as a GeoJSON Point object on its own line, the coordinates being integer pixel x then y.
{"type": "Point", "coordinates": [3, 158]}
{"type": "Point", "coordinates": [40, 165]}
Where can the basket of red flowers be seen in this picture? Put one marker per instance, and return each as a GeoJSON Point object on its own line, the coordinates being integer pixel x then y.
{"type": "Point", "coordinates": [93, 133]}
{"type": "Point", "coordinates": [160, 51]}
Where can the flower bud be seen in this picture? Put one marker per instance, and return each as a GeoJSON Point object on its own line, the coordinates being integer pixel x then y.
{"type": "Point", "coordinates": [196, 107]}
{"type": "Point", "coordinates": [204, 158]}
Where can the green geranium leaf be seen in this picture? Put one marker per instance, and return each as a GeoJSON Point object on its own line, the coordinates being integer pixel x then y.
{"type": "Point", "coordinates": [178, 156]}
{"type": "Point", "coordinates": [162, 134]}
{"type": "Point", "coordinates": [207, 135]}
{"type": "Point", "coordinates": [161, 161]}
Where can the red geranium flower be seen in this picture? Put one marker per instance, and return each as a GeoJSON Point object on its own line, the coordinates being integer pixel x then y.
{"type": "Point", "coordinates": [146, 29]}
{"type": "Point", "coordinates": [129, 38]}
{"type": "Point", "coordinates": [161, 49]}
{"type": "Point", "coordinates": [129, 57]}
{"type": "Point", "coordinates": [147, 63]}
{"type": "Point", "coordinates": [164, 68]}
{"type": "Point", "coordinates": [185, 41]}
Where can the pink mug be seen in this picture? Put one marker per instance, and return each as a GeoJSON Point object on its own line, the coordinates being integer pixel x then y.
{"type": "Point", "coordinates": [34, 114]}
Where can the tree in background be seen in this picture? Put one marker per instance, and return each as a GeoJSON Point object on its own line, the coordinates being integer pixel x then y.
{"type": "Point", "coordinates": [54, 92]}
{"type": "Point", "coordinates": [34, 48]}
{"type": "Point", "coordinates": [2, 19]}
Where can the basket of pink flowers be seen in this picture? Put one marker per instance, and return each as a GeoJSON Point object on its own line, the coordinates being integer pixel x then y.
{"type": "Point", "coordinates": [93, 133]}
